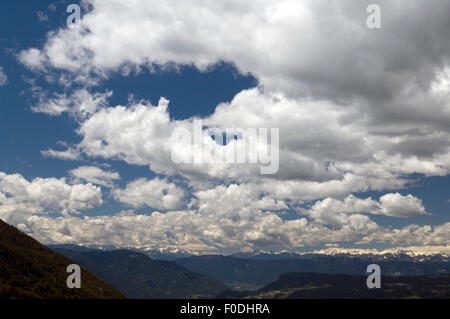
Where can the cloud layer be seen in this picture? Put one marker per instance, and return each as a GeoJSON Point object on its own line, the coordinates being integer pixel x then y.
{"type": "Point", "coordinates": [222, 233]}
{"type": "Point", "coordinates": [357, 109]}
{"type": "Point", "coordinates": [20, 197]}
{"type": "Point", "coordinates": [95, 175]}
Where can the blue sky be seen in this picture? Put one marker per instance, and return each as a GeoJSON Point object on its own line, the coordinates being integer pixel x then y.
{"type": "Point", "coordinates": [361, 163]}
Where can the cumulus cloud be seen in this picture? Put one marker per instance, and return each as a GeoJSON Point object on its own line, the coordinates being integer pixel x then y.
{"type": "Point", "coordinates": [335, 212]}
{"type": "Point", "coordinates": [398, 82]}
{"type": "Point", "coordinates": [156, 193]}
{"type": "Point", "coordinates": [357, 109]}
{"type": "Point", "coordinates": [234, 199]}
{"type": "Point", "coordinates": [221, 219]}
{"type": "Point", "coordinates": [144, 134]}
{"type": "Point", "coordinates": [321, 146]}
{"type": "Point", "coordinates": [19, 196]}
{"type": "Point", "coordinates": [370, 123]}
{"type": "Point", "coordinates": [218, 233]}
{"type": "Point", "coordinates": [94, 175]}
{"type": "Point", "coordinates": [287, 45]}
{"type": "Point", "coordinates": [401, 206]}
{"type": "Point", "coordinates": [32, 58]}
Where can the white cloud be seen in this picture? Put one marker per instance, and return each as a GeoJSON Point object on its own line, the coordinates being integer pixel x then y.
{"type": "Point", "coordinates": [233, 199]}
{"type": "Point", "coordinates": [20, 197]}
{"type": "Point", "coordinates": [358, 110]}
{"type": "Point", "coordinates": [220, 233]}
{"type": "Point", "coordinates": [142, 134]}
{"type": "Point", "coordinates": [401, 206]}
{"type": "Point", "coordinates": [32, 58]}
{"type": "Point", "coordinates": [323, 151]}
{"type": "Point", "coordinates": [397, 84]}
{"type": "Point", "coordinates": [330, 211]}
{"type": "Point", "coordinates": [223, 219]}
{"type": "Point", "coordinates": [287, 45]}
{"type": "Point", "coordinates": [94, 175]}
{"type": "Point", "coordinates": [156, 193]}
{"type": "Point", "coordinates": [80, 103]}
{"type": "Point", "coordinates": [370, 125]}
{"type": "Point", "coordinates": [68, 154]}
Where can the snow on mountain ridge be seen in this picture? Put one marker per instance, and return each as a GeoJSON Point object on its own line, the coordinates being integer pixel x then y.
{"type": "Point", "coordinates": [412, 251]}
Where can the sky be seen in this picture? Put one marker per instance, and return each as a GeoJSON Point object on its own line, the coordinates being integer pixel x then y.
{"type": "Point", "coordinates": [90, 115]}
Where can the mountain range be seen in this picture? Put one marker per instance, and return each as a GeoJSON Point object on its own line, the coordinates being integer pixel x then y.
{"type": "Point", "coordinates": [139, 277]}
{"type": "Point", "coordinates": [315, 285]}
{"type": "Point", "coordinates": [30, 270]}
{"type": "Point", "coordinates": [250, 274]}
{"type": "Point", "coordinates": [250, 271]}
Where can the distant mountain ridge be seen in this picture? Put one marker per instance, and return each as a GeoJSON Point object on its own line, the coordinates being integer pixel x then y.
{"type": "Point", "coordinates": [154, 253]}
{"type": "Point", "coordinates": [139, 277]}
{"type": "Point", "coordinates": [315, 285]}
{"type": "Point", "coordinates": [252, 270]}
{"type": "Point", "coordinates": [400, 255]}
{"type": "Point", "coordinates": [30, 270]}
{"type": "Point", "coordinates": [251, 274]}
{"type": "Point", "coordinates": [418, 254]}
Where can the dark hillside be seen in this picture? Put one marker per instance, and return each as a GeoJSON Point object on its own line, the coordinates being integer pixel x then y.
{"type": "Point", "coordinates": [30, 270]}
